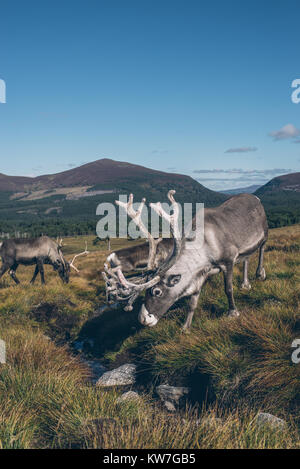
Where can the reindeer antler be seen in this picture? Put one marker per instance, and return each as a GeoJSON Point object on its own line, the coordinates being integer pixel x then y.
{"type": "Point", "coordinates": [135, 215]}
{"type": "Point", "coordinates": [77, 255]}
{"type": "Point", "coordinates": [119, 288]}
{"type": "Point", "coordinates": [174, 228]}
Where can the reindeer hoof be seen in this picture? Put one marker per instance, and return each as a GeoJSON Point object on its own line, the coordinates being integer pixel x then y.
{"type": "Point", "coordinates": [246, 286]}
{"type": "Point", "coordinates": [233, 313]}
{"type": "Point", "coordinates": [261, 275]}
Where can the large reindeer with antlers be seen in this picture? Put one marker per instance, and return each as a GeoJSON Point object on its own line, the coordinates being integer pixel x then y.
{"type": "Point", "coordinates": [37, 251]}
{"type": "Point", "coordinates": [232, 232]}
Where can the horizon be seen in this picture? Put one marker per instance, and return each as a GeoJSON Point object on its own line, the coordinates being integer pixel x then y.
{"type": "Point", "coordinates": [117, 161]}
{"type": "Point", "coordinates": [203, 90]}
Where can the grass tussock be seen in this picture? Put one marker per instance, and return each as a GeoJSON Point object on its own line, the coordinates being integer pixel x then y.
{"type": "Point", "coordinates": [46, 402]}
{"type": "Point", "coordinates": [234, 367]}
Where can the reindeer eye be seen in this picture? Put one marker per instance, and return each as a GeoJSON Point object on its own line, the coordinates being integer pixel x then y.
{"type": "Point", "coordinates": [173, 280]}
{"type": "Point", "coordinates": [156, 291]}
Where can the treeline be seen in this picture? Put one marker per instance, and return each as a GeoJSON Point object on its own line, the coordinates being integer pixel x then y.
{"type": "Point", "coordinates": [33, 226]}
{"type": "Point", "coordinates": [277, 219]}
{"type": "Point", "coordinates": [51, 227]}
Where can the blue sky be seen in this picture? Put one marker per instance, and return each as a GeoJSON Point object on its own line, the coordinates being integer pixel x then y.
{"type": "Point", "coordinates": [201, 88]}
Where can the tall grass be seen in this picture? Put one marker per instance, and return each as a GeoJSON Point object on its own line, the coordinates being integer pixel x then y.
{"type": "Point", "coordinates": [46, 402]}
{"type": "Point", "coordinates": [234, 367]}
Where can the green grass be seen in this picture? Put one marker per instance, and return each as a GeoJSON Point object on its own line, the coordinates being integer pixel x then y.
{"type": "Point", "coordinates": [234, 367]}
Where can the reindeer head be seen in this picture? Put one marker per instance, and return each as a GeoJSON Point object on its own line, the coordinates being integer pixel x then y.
{"type": "Point", "coordinates": [62, 266]}
{"type": "Point", "coordinates": [165, 285]}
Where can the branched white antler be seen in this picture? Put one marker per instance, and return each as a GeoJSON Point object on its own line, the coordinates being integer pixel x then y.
{"type": "Point", "coordinates": [77, 255]}
{"type": "Point", "coordinates": [135, 215]}
{"type": "Point", "coordinates": [119, 288]}
{"type": "Point", "coordinates": [174, 228]}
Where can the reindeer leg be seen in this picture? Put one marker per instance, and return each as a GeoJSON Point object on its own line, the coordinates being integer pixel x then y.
{"type": "Point", "coordinates": [245, 284]}
{"type": "Point", "coordinates": [192, 304]}
{"type": "Point", "coordinates": [40, 266]}
{"type": "Point", "coordinates": [228, 274]}
{"type": "Point", "coordinates": [12, 273]}
{"type": "Point", "coordinates": [34, 275]}
{"type": "Point", "coordinates": [260, 271]}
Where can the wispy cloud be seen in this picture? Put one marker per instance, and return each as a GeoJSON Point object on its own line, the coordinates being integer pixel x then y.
{"type": "Point", "coordinates": [241, 150]}
{"type": "Point", "coordinates": [243, 171]}
{"type": "Point", "coordinates": [288, 131]}
{"type": "Point", "coordinates": [219, 179]}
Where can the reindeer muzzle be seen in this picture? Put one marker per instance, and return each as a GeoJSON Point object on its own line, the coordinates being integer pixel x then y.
{"type": "Point", "coordinates": [146, 318]}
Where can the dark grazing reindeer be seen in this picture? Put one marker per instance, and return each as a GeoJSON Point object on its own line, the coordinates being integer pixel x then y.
{"type": "Point", "coordinates": [37, 251]}
{"type": "Point", "coordinates": [232, 232]}
{"type": "Point", "coordinates": [136, 257]}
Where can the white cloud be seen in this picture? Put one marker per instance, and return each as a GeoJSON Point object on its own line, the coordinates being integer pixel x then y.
{"type": "Point", "coordinates": [249, 172]}
{"type": "Point", "coordinates": [218, 179]}
{"type": "Point", "coordinates": [241, 150]}
{"type": "Point", "coordinates": [286, 132]}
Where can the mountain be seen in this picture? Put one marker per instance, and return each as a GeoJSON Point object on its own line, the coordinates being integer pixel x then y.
{"type": "Point", "coordinates": [71, 197]}
{"type": "Point", "coordinates": [105, 174]}
{"type": "Point", "coordinates": [287, 182]}
{"type": "Point", "coordinates": [242, 190]}
{"type": "Point", "coordinates": [281, 199]}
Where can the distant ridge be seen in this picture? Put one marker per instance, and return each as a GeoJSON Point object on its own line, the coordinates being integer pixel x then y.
{"type": "Point", "coordinates": [66, 202]}
{"type": "Point", "coordinates": [281, 199]}
{"type": "Point", "coordinates": [242, 190]}
{"type": "Point", "coordinates": [108, 174]}
{"type": "Point", "coordinates": [287, 182]}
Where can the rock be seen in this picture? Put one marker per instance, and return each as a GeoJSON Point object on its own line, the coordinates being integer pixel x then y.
{"type": "Point", "coordinates": [122, 376]}
{"type": "Point", "coordinates": [265, 419]}
{"type": "Point", "coordinates": [170, 406]}
{"type": "Point", "coordinates": [127, 397]}
{"type": "Point", "coordinates": [171, 393]}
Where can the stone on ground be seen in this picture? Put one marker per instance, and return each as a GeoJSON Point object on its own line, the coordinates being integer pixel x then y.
{"type": "Point", "coordinates": [122, 376]}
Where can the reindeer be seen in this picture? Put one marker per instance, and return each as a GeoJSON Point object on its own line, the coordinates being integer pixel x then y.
{"type": "Point", "coordinates": [232, 233]}
{"type": "Point", "coordinates": [136, 257]}
{"type": "Point", "coordinates": [37, 251]}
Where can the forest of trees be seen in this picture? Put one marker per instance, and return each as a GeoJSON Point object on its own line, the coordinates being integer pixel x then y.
{"type": "Point", "coordinates": [76, 226]}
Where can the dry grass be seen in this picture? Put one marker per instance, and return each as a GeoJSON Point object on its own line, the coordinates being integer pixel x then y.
{"type": "Point", "coordinates": [238, 367]}
{"type": "Point", "coordinates": [46, 402]}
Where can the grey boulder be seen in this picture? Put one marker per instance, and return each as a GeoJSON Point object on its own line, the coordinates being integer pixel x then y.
{"type": "Point", "coordinates": [266, 419]}
{"type": "Point", "coordinates": [129, 396]}
{"type": "Point", "coordinates": [171, 393]}
{"type": "Point", "coordinates": [122, 376]}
